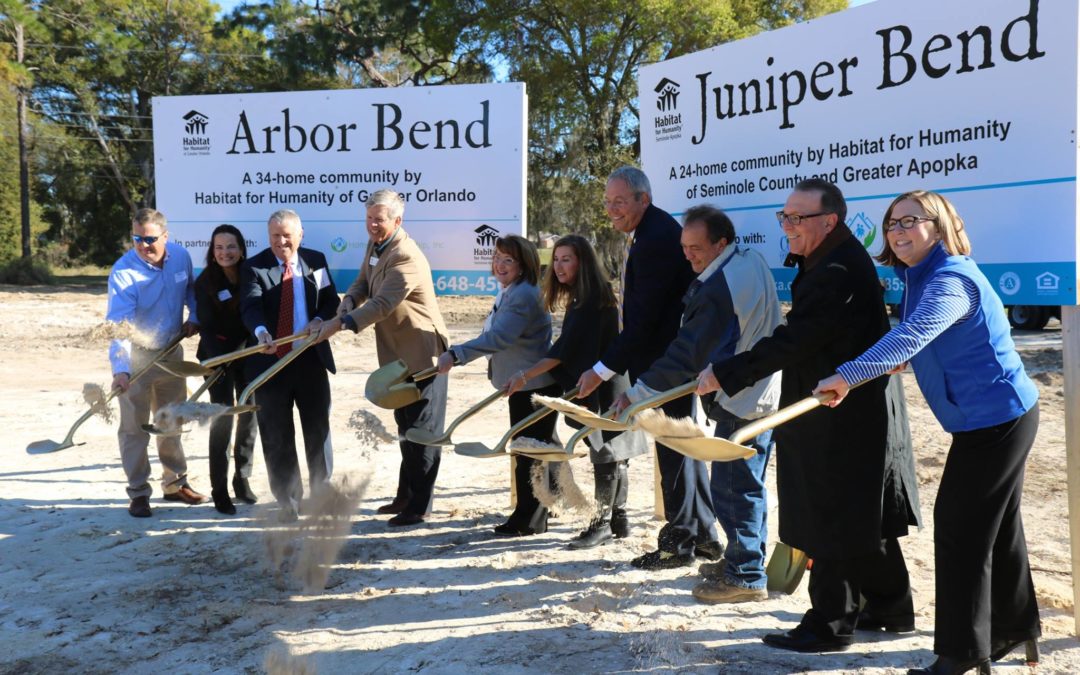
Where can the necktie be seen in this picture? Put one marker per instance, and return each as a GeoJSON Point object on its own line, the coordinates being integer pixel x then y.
{"type": "Point", "coordinates": [285, 311]}
{"type": "Point", "coordinates": [627, 243]}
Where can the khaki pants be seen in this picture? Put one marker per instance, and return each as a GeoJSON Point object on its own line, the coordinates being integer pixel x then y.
{"type": "Point", "coordinates": [148, 394]}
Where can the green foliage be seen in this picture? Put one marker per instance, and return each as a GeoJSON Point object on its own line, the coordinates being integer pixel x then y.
{"type": "Point", "coordinates": [26, 272]}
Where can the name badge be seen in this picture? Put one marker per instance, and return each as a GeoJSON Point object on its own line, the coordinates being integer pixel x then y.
{"type": "Point", "coordinates": [180, 277]}
{"type": "Point", "coordinates": [373, 260]}
{"type": "Point", "coordinates": [224, 295]}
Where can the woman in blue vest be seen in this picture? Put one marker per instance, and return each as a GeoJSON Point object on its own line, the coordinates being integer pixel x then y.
{"type": "Point", "coordinates": [955, 333]}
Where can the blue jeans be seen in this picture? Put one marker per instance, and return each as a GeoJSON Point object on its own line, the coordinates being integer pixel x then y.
{"type": "Point", "coordinates": [739, 502]}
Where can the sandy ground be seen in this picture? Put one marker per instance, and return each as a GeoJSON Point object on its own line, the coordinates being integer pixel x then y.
{"type": "Point", "coordinates": [85, 588]}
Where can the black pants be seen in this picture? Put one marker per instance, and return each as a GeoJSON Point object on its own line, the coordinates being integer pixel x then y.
{"type": "Point", "coordinates": [983, 581]}
{"type": "Point", "coordinates": [226, 391]}
{"type": "Point", "coordinates": [687, 495]}
{"type": "Point", "coordinates": [836, 584]}
{"type": "Point", "coordinates": [530, 515]}
{"type": "Point", "coordinates": [419, 463]}
{"type": "Point", "coordinates": [303, 383]}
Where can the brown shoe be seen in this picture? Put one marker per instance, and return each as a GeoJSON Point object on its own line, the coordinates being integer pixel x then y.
{"type": "Point", "coordinates": [185, 494]}
{"type": "Point", "coordinates": [717, 591]}
{"type": "Point", "coordinates": [140, 507]}
{"type": "Point", "coordinates": [396, 506]}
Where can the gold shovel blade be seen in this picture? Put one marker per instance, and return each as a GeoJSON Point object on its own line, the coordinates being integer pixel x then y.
{"type": "Point", "coordinates": [708, 449]}
{"type": "Point", "coordinates": [552, 456]}
{"type": "Point", "coordinates": [425, 437]}
{"type": "Point", "coordinates": [478, 450]}
{"type": "Point", "coordinates": [786, 568]}
{"type": "Point", "coordinates": [185, 368]}
{"type": "Point", "coordinates": [47, 446]}
{"type": "Point", "coordinates": [387, 386]}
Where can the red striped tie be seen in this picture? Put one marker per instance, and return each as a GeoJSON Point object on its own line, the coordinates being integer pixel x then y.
{"type": "Point", "coordinates": [285, 311]}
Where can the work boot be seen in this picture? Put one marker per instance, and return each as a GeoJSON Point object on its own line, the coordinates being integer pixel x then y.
{"type": "Point", "coordinates": [599, 531]}
{"type": "Point", "coordinates": [717, 591]}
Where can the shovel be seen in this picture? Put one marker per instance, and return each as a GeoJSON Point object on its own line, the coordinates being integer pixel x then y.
{"type": "Point", "coordinates": [204, 368]}
{"type": "Point", "coordinates": [231, 410]}
{"type": "Point", "coordinates": [566, 454]}
{"type": "Point", "coordinates": [480, 451]}
{"type": "Point", "coordinates": [425, 437]}
{"type": "Point", "coordinates": [786, 568]}
{"type": "Point", "coordinates": [622, 422]}
{"type": "Point", "coordinates": [393, 386]}
{"type": "Point", "coordinates": [43, 447]}
{"type": "Point", "coordinates": [274, 369]}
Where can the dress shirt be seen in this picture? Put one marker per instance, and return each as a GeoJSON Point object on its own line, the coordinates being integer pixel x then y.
{"type": "Point", "coordinates": [300, 314]}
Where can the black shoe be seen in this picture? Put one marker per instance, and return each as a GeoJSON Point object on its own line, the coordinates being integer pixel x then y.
{"type": "Point", "coordinates": [620, 525]}
{"type": "Point", "coordinates": [597, 534]}
{"type": "Point", "coordinates": [662, 560]}
{"type": "Point", "coordinates": [869, 622]}
{"type": "Point", "coordinates": [802, 639]}
{"type": "Point", "coordinates": [140, 507]}
{"type": "Point", "coordinates": [948, 666]}
{"type": "Point", "coordinates": [403, 519]}
{"type": "Point", "coordinates": [509, 530]}
{"type": "Point", "coordinates": [222, 503]}
{"type": "Point", "coordinates": [999, 649]}
{"type": "Point", "coordinates": [710, 550]}
{"type": "Point", "coordinates": [243, 491]}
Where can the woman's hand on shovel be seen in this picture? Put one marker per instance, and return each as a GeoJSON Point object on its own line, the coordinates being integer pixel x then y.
{"type": "Point", "coordinates": [836, 385]}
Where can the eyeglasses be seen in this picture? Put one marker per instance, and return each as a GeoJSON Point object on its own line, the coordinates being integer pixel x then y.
{"type": "Point", "coordinates": [795, 218]}
{"type": "Point", "coordinates": [505, 261]}
{"type": "Point", "coordinates": [149, 241]}
{"type": "Point", "coordinates": [905, 223]}
{"type": "Point", "coordinates": [619, 202]}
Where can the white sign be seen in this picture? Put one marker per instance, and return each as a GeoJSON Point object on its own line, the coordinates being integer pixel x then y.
{"type": "Point", "coordinates": [456, 153]}
{"type": "Point", "coordinates": [973, 99]}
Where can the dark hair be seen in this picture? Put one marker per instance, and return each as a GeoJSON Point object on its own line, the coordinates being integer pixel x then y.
{"type": "Point", "coordinates": [716, 222]}
{"type": "Point", "coordinates": [213, 276]}
{"type": "Point", "coordinates": [832, 199]}
{"type": "Point", "coordinates": [524, 252]}
{"type": "Point", "coordinates": [590, 282]}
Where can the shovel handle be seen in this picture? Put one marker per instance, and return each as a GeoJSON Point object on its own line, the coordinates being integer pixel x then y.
{"type": "Point", "coordinates": [425, 373]}
{"type": "Point", "coordinates": [273, 370]}
{"type": "Point", "coordinates": [491, 398]}
{"type": "Point", "coordinates": [537, 415]}
{"type": "Point", "coordinates": [657, 399]}
{"type": "Point", "coordinates": [785, 415]}
{"type": "Point", "coordinates": [249, 351]}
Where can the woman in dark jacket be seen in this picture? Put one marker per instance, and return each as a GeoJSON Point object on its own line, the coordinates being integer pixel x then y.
{"type": "Point", "coordinates": [516, 333]}
{"type": "Point", "coordinates": [576, 281]}
{"type": "Point", "coordinates": [955, 333]}
{"type": "Point", "coordinates": [217, 304]}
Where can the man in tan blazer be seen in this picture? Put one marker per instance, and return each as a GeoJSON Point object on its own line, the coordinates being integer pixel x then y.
{"type": "Point", "coordinates": [394, 293]}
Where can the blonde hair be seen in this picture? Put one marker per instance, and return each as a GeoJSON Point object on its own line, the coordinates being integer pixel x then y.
{"type": "Point", "coordinates": [947, 222]}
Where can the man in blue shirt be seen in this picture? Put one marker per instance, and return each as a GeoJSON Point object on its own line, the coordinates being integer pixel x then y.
{"type": "Point", "coordinates": [148, 288]}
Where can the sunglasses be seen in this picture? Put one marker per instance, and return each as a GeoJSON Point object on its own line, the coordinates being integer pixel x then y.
{"type": "Point", "coordinates": [149, 241]}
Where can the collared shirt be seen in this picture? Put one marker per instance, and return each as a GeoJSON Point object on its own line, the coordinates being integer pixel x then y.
{"type": "Point", "coordinates": [379, 248]}
{"type": "Point", "coordinates": [299, 298]}
{"type": "Point", "coordinates": [151, 299]}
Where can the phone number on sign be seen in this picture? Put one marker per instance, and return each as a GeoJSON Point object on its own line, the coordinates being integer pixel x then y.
{"type": "Point", "coordinates": [462, 283]}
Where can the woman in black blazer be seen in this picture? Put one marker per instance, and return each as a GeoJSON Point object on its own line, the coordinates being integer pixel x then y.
{"type": "Point", "coordinates": [217, 306]}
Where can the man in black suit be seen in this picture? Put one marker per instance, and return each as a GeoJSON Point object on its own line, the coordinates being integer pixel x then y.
{"type": "Point", "coordinates": [655, 278]}
{"type": "Point", "coordinates": [286, 289]}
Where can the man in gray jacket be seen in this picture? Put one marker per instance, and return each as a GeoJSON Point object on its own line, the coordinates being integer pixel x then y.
{"type": "Point", "coordinates": [729, 306]}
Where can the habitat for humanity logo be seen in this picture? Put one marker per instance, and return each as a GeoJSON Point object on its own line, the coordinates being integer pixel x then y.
{"type": "Point", "coordinates": [195, 141]}
{"type": "Point", "coordinates": [486, 236]}
{"type": "Point", "coordinates": [667, 125]}
{"type": "Point", "coordinates": [863, 228]}
{"type": "Point", "coordinates": [338, 244]}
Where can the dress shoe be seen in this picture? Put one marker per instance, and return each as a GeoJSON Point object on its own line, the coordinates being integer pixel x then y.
{"type": "Point", "coordinates": [185, 494]}
{"type": "Point", "coordinates": [802, 639]}
{"type": "Point", "coordinates": [396, 506]}
{"type": "Point", "coordinates": [140, 507]}
{"type": "Point", "coordinates": [662, 560]}
{"type": "Point", "coordinates": [598, 533]}
{"type": "Point", "coordinates": [718, 591]}
{"type": "Point", "coordinates": [869, 622]}
{"type": "Point", "coordinates": [620, 525]}
{"type": "Point", "coordinates": [949, 666]}
{"type": "Point", "coordinates": [710, 550]}
{"type": "Point", "coordinates": [402, 519]}
{"type": "Point", "coordinates": [999, 649]}
{"type": "Point", "coordinates": [243, 491]}
{"type": "Point", "coordinates": [509, 530]}
{"type": "Point", "coordinates": [222, 503]}
{"type": "Point", "coordinates": [713, 570]}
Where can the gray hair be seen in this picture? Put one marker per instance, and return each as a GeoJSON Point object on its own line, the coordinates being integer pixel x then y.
{"type": "Point", "coordinates": [391, 199]}
{"type": "Point", "coordinates": [634, 178]}
{"type": "Point", "coordinates": [286, 217]}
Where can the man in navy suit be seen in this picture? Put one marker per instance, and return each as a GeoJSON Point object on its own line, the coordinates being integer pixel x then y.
{"type": "Point", "coordinates": [286, 289]}
{"type": "Point", "coordinates": [655, 278]}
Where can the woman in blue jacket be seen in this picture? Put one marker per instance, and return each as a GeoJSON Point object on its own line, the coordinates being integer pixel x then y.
{"type": "Point", "coordinates": [955, 333]}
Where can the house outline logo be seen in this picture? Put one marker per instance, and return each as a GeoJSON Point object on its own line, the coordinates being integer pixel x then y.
{"type": "Point", "coordinates": [486, 235]}
{"type": "Point", "coordinates": [1047, 282]}
{"type": "Point", "coordinates": [195, 123]}
{"type": "Point", "coordinates": [863, 228]}
{"type": "Point", "coordinates": [667, 91]}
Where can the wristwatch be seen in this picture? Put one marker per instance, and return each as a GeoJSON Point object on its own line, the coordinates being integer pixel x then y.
{"type": "Point", "coordinates": [348, 322]}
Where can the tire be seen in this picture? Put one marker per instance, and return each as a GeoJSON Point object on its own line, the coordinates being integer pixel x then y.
{"type": "Point", "coordinates": [1028, 317]}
